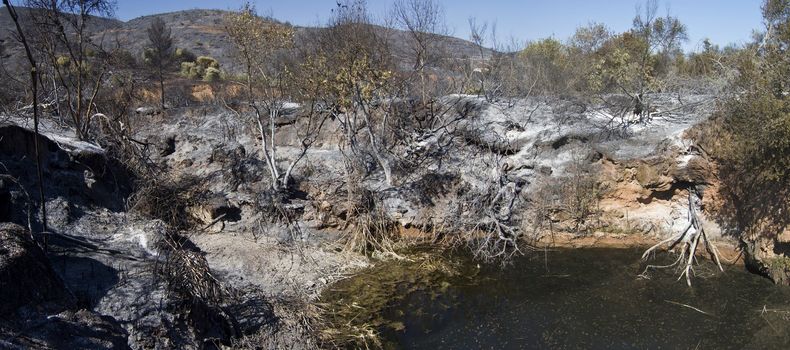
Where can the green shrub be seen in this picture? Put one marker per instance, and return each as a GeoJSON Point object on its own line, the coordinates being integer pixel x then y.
{"type": "Point", "coordinates": [123, 58]}
{"type": "Point", "coordinates": [204, 68]}
{"type": "Point", "coordinates": [751, 131]}
{"type": "Point", "coordinates": [190, 70]}
{"type": "Point", "coordinates": [63, 61]}
{"type": "Point", "coordinates": [206, 62]}
{"type": "Point", "coordinates": [211, 75]}
{"type": "Point", "coordinates": [757, 116]}
{"type": "Point", "coordinates": [148, 55]}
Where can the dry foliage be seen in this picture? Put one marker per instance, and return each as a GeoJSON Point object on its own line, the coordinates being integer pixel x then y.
{"type": "Point", "coordinates": [369, 230]}
{"type": "Point", "coordinates": [571, 202]}
{"type": "Point", "coordinates": [167, 199]}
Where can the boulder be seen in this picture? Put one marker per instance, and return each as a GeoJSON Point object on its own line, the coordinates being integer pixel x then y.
{"type": "Point", "coordinates": [147, 111]}
{"type": "Point", "coordinates": [650, 177]}
{"type": "Point", "coordinates": [215, 208]}
{"type": "Point", "coordinates": [696, 170]}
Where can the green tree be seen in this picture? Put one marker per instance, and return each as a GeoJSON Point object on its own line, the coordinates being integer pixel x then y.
{"type": "Point", "coordinates": [662, 37]}
{"type": "Point", "coordinates": [758, 118]}
{"type": "Point", "coordinates": [257, 41]}
{"type": "Point", "coordinates": [590, 38]}
{"type": "Point", "coordinates": [350, 65]}
{"type": "Point", "coordinates": [547, 62]}
{"type": "Point", "coordinates": [634, 62]}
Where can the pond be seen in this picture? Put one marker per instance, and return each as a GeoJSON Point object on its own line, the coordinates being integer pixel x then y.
{"type": "Point", "coordinates": [561, 299]}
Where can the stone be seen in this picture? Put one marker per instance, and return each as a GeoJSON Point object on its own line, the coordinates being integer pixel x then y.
{"type": "Point", "coordinates": [697, 170]}
{"type": "Point", "coordinates": [213, 208]}
{"type": "Point", "coordinates": [147, 111]}
{"type": "Point", "coordinates": [784, 236]}
{"type": "Point", "coordinates": [650, 178]}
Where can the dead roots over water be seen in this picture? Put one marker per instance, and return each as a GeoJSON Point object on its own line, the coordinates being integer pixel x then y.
{"type": "Point", "coordinates": [498, 241]}
{"type": "Point", "coordinates": [689, 241]}
{"type": "Point", "coordinates": [494, 237]}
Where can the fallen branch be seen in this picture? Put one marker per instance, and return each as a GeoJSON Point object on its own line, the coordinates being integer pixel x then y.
{"type": "Point", "coordinates": [690, 307]}
{"type": "Point", "coordinates": [218, 219]}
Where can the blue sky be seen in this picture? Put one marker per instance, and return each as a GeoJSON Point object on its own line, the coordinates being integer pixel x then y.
{"type": "Point", "coordinates": [723, 21]}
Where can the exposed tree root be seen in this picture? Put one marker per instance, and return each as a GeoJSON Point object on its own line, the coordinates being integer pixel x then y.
{"type": "Point", "coordinates": [494, 237]}
{"type": "Point", "coordinates": [689, 241]}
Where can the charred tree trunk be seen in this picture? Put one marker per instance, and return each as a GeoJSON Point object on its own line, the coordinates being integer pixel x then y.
{"type": "Point", "coordinates": [34, 83]}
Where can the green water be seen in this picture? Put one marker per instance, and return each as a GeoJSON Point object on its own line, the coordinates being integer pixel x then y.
{"type": "Point", "coordinates": [567, 299]}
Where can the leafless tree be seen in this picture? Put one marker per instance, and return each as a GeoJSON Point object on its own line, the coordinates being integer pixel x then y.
{"type": "Point", "coordinates": [423, 20]}
{"type": "Point", "coordinates": [477, 34]}
{"type": "Point", "coordinates": [63, 36]}
{"type": "Point", "coordinates": [487, 69]}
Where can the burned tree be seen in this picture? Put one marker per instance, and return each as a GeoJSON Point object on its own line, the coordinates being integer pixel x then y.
{"type": "Point", "coordinates": [423, 21]}
{"type": "Point", "coordinates": [34, 87]}
{"type": "Point", "coordinates": [347, 68]}
{"type": "Point", "coordinates": [258, 42]}
{"type": "Point", "coordinates": [160, 54]}
{"type": "Point", "coordinates": [63, 37]}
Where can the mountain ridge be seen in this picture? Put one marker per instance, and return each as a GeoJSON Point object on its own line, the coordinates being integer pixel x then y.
{"type": "Point", "coordinates": [200, 31]}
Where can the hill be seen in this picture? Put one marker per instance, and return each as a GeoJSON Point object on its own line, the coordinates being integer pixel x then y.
{"type": "Point", "coordinates": [11, 52]}
{"type": "Point", "coordinates": [202, 32]}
